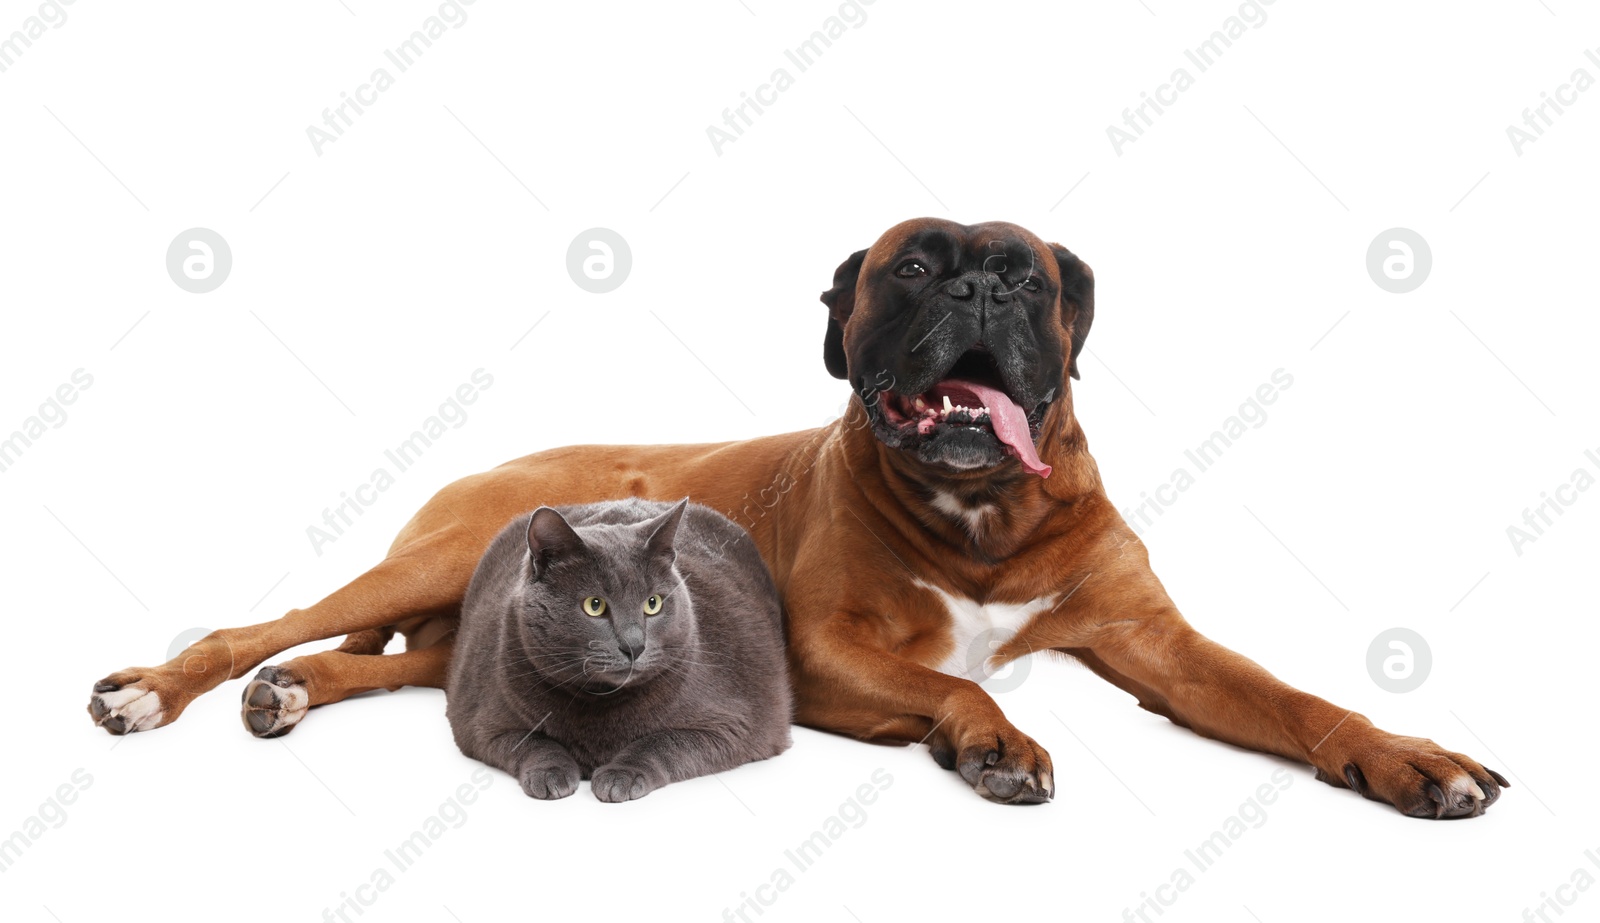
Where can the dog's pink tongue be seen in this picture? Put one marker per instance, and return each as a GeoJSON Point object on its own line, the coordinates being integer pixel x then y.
{"type": "Point", "coordinates": [1009, 421]}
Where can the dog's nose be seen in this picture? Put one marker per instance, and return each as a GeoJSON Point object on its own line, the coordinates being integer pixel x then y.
{"type": "Point", "coordinates": [977, 285]}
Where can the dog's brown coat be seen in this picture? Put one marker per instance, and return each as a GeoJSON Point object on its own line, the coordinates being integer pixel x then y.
{"type": "Point", "coordinates": [847, 527]}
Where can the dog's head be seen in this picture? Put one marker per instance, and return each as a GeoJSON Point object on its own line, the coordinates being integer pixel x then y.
{"type": "Point", "coordinates": [959, 338]}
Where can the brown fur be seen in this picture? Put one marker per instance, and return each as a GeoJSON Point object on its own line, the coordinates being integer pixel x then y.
{"type": "Point", "coordinates": [845, 523]}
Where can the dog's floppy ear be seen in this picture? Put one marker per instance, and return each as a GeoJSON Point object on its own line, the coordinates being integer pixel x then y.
{"type": "Point", "coordinates": [841, 301]}
{"type": "Point", "coordinates": [1077, 300]}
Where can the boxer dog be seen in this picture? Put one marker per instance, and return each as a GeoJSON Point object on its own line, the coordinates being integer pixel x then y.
{"type": "Point", "coordinates": [955, 502]}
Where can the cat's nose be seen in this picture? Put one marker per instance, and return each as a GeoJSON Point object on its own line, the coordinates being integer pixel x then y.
{"type": "Point", "coordinates": [631, 643]}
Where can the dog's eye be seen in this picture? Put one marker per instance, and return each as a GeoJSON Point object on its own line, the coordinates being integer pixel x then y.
{"type": "Point", "coordinates": [652, 605]}
{"type": "Point", "coordinates": [910, 269]}
{"type": "Point", "coordinates": [1031, 283]}
{"type": "Point", "coordinates": [594, 606]}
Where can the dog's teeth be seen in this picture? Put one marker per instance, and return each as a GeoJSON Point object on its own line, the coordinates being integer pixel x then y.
{"type": "Point", "coordinates": [947, 405]}
{"type": "Point", "coordinates": [921, 404]}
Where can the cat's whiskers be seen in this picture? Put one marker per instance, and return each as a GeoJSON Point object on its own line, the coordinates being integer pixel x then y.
{"type": "Point", "coordinates": [537, 671]}
{"type": "Point", "coordinates": [632, 665]}
{"type": "Point", "coordinates": [556, 663]}
{"type": "Point", "coordinates": [583, 672]}
{"type": "Point", "coordinates": [555, 668]}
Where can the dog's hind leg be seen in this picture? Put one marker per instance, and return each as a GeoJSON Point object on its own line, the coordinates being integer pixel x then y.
{"type": "Point", "coordinates": [279, 696]}
{"type": "Point", "coordinates": [425, 576]}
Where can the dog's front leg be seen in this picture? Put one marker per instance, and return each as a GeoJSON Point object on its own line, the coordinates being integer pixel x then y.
{"type": "Point", "coordinates": [847, 682]}
{"type": "Point", "coordinates": [1128, 632]}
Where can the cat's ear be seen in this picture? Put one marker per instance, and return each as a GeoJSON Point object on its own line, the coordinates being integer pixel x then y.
{"type": "Point", "coordinates": [549, 539]}
{"type": "Point", "coordinates": [664, 532]}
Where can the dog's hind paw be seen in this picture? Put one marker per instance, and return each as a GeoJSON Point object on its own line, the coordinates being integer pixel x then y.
{"type": "Point", "coordinates": [274, 702]}
{"type": "Point", "coordinates": [124, 709]}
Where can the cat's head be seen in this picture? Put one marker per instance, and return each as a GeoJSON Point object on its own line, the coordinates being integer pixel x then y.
{"type": "Point", "coordinates": [602, 605]}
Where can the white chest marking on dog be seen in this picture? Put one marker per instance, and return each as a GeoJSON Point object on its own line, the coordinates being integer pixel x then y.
{"type": "Point", "coordinates": [971, 515]}
{"type": "Point", "coordinates": [978, 628]}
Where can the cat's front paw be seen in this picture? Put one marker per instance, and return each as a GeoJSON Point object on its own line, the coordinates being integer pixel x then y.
{"type": "Point", "coordinates": [548, 780]}
{"type": "Point", "coordinates": [615, 783]}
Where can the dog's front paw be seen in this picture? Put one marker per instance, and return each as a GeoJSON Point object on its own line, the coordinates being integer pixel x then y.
{"type": "Point", "coordinates": [1419, 777]}
{"type": "Point", "coordinates": [125, 702]}
{"type": "Point", "coordinates": [613, 783]}
{"type": "Point", "coordinates": [274, 702]}
{"type": "Point", "coordinates": [1006, 766]}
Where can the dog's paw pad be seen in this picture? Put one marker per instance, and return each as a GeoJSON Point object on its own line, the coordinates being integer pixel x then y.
{"type": "Point", "coordinates": [125, 709]}
{"type": "Point", "coordinates": [274, 702]}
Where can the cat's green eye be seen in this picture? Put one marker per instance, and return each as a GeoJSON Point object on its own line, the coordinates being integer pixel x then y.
{"type": "Point", "coordinates": [594, 605]}
{"type": "Point", "coordinates": [653, 604]}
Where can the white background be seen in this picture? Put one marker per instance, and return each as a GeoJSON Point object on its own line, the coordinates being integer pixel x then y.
{"type": "Point", "coordinates": [372, 280]}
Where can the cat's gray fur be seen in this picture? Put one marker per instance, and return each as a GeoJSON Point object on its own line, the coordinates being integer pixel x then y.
{"type": "Point", "coordinates": [549, 694]}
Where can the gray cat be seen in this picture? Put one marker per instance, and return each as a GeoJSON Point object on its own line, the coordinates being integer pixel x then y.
{"type": "Point", "coordinates": [631, 643]}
